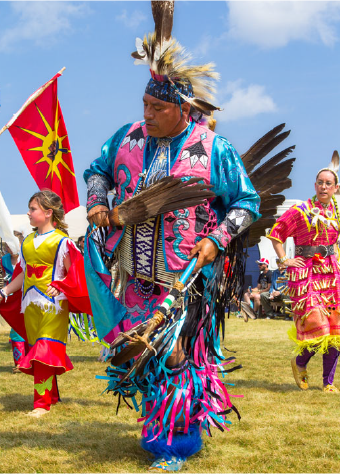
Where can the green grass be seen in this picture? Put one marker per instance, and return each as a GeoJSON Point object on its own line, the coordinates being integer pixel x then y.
{"type": "Point", "coordinates": [282, 428]}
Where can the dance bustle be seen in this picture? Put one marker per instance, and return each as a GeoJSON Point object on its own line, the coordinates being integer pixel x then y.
{"type": "Point", "coordinates": [269, 179]}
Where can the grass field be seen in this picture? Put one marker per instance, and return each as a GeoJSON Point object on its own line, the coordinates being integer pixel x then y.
{"type": "Point", "coordinates": [282, 428]}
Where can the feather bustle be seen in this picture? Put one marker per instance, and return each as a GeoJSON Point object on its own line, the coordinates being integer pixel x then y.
{"type": "Point", "coordinates": [269, 179]}
{"type": "Point", "coordinates": [268, 165]}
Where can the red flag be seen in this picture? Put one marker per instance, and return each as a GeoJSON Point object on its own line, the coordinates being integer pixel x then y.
{"type": "Point", "coordinates": [39, 132]}
{"type": "Point", "coordinates": [74, 284]}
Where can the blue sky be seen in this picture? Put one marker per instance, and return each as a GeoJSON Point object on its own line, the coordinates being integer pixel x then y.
{"type": "Point", "coordinates": [279, 62]}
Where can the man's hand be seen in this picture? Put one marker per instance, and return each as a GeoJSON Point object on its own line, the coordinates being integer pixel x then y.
{"type": "Point", "coordinates": [206, 250]}
{"type": "Point", "coordinates": [98, 215]}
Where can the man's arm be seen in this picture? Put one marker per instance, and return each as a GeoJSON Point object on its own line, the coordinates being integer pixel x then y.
{"type": "Point", "coordinates": [237, 205]}
{"type": "Point", "coordinates": [100, 179]}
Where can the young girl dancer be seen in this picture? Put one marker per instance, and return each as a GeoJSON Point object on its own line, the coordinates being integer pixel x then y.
{"type": "Point", "coordinates": [44, 257]}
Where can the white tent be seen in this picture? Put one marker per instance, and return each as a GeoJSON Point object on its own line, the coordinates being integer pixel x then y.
{"type": "Point", "coordinates": [76, 220]}
{"type": "Point", "coordinates": [265, 245]}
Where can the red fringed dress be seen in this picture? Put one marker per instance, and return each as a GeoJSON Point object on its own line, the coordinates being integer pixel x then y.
{"type": "Point", "coordinates": [314, 289]}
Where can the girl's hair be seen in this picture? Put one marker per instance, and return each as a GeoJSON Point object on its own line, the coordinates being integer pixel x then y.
{"type": "Point", "coordinates": [49, 200]}
{"type": "Point", "coordinates": [331, 171]}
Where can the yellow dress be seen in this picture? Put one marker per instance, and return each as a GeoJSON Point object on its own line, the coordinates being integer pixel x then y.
{"type": "Point", "coordinates": [46, 318]}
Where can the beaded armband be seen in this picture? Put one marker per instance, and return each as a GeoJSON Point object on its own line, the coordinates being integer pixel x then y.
{"type": "Point", "coordinates": [97, 188]}
{"type": "Point", "coordinates": [235, 222]}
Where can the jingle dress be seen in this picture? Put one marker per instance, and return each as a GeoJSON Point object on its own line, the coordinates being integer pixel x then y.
{"type": "Point", "coordinates": [46, 318]}
{"type": "Point", "coordinates": [315, 288]}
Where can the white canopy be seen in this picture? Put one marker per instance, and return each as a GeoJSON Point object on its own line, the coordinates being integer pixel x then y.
{"type": "Point", "coordinates": [76, 220]}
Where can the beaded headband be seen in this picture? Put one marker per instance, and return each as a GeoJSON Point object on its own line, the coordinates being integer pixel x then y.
{"type": "Point", "coordinates": [332, 171]}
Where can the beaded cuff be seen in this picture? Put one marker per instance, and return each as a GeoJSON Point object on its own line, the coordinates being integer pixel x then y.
{"type": "Point", "coordinates": [235, 222]}
{"type": "Point", "coordinates": [97, 188]}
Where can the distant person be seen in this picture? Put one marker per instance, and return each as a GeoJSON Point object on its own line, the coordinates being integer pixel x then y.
{"type": "Point", "coordinates": [275, 292]}
{"type": "Point", "coordinates": [263, 285]}
{"type": "Point", "coordinates": [80, 244]}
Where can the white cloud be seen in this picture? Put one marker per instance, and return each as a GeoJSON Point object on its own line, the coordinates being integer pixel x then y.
{"type": "Point", "coordinates": [274, 24]}
{"type": "Point", "coordinates": [40, 22]}
{"type": "Point", "coordinates": [203, 45]}
{"type": "Point", "coordinates": [245, 102]}
{"type": "Point", "coordinates": [131, 20]}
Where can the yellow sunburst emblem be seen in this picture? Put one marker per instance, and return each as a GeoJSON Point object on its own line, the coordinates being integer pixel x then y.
{"type": "Point", "coordinates": [51, 147]}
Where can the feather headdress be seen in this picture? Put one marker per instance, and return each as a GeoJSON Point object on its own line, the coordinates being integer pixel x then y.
{"type": "Point", "coordinates": [170, 62]}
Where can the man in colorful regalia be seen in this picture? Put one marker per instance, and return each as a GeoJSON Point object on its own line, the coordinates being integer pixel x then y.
{"type": "Point", "coordinates": [313, 278]}
{"type": "Point", "coordinates": [182, 392]}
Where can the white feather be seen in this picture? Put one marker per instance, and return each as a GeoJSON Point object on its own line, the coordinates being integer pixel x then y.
{"type": "Point", "coordinates": [334, 164]}
{"type": "Point", "coordinates": [139, 47]}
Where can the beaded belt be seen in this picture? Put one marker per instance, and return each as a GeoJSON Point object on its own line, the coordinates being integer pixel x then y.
{"type": "Point", "coordinates": [309, 251]}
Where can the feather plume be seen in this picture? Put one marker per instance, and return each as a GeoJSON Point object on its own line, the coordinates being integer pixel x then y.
{"type": "Point", "coordinates": [334, 164]}
{"type": "Point", "coordinates": [163, 13]}
{"type": "Point", "coordinates": [166, 195]}
{"type": "Point", "coordinates": [202, 106]}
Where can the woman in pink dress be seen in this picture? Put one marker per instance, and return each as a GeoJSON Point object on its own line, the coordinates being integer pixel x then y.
{"type": "Point", "coordinates": [313, 278]}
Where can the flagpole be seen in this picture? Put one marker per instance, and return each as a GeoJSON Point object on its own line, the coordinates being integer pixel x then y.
{"type": "Point", "coordinates": [29, 101]}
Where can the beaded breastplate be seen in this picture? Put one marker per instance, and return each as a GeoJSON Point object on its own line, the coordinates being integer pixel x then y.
{"type": "Point", "coordinates": [140, 250]}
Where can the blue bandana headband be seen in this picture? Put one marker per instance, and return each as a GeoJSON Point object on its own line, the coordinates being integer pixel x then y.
{"type": "Point", "coordinates": [162, 89]}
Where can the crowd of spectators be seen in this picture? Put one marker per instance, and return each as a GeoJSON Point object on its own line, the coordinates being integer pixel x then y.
{"type": "Point", "coordinates": [259, 301]}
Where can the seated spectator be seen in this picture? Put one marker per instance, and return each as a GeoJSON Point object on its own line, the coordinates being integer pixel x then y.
{"type": "Point", "coordinates": [275, 292]}
{"type": "Point", "coordinates": [263, 285]}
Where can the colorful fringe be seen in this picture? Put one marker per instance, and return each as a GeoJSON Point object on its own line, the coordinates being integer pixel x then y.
{"type": "Point", "coordinates": [190, 393]}
{"type": "Point", "coordinates": [84, 328]}
{"type": "Point", "coordinates": [319, 345]}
